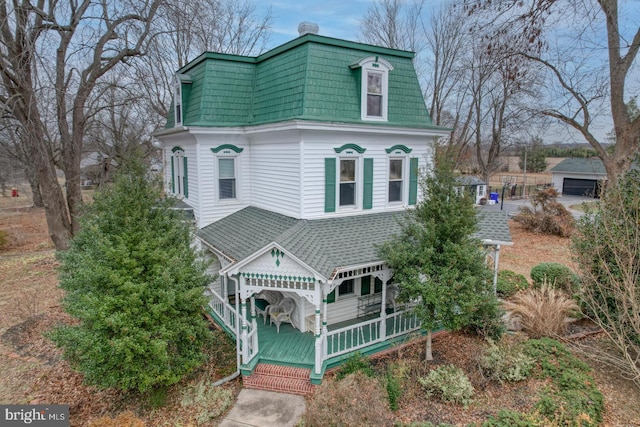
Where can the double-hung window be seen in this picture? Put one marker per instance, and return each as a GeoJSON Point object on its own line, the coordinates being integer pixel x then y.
{"type": "Point", "coordinates": [227, 177]}
{"type": "Point", "coordinates": [396, 180]}
{"type": "Point", "coordinates": [374, 89]}
{"type": "Point", "coordinates": [348, 184]}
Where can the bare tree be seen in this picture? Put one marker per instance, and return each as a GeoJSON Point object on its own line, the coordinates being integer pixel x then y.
{"type": "Point", "coordinates": [390, 23]}
{"type": "Point", "coordinates": [475, 89]}
{"type": "Point", "coordinates": [584, 79]}
{"type": "Point", "coordinates": [187, 29]}
{"type": "Point", "coordinates": [60, 50]}
{"type": "Point", "coordinates": [608, 255]}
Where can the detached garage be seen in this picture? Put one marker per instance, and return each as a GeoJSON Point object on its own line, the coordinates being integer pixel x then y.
{"type": "Point", "coordinates": [578, 176]}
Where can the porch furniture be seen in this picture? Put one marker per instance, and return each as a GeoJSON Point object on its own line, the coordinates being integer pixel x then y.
{"type": "Point", "coordinates": [271, 298]}
{"type": "Point", "coordinates": [310, 323]}
{"type": "Point", "coordinates": [393, 291]}
{"type": "Point", "coordinates": [369, 304]}
{"type": "Point", "coordinates": [282, 312]}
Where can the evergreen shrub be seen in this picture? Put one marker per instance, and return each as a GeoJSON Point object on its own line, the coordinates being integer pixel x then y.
{"type": "Point", "coordinates": [555, 274]}
{"type": "Point", "coordinates": [449, 383]}
{"type": "Point", "coordinates": [510, 282]}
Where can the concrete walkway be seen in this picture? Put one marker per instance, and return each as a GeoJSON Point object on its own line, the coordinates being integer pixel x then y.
{"type": "Point", "coordinates": [257, 408]}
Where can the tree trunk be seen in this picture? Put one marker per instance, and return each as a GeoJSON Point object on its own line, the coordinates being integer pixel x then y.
{"type": "Point", "coordinates": [35, 188]}
{"type": "Point", "coordinates": [429, 355]}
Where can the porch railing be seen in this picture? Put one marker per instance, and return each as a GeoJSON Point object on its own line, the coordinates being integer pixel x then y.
{"type": "Point", "coordinates": [253, 343]}
{"type": "Point", "coordinates": [402, 323]}
{"type": "Point", "coordinates": [354, 337]}
{"type": "Point", "coordinates": [225, 311]}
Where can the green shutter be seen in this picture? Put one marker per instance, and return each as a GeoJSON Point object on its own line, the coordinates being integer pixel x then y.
{"type": "Point", "coordinates": [365, 285]}
{"type": "Point", "coordinates": [413, 180]}
{"type": "Point", "coordinates": [331, 297]}
{"type": "Point", "coordinates": [185, 179]}
{"type": "Point", "coordinates": [173, 184]}
{"type": "Point", "coordinates": [367, 197]}
{"type": "Point", "coordinates": [330, 185]}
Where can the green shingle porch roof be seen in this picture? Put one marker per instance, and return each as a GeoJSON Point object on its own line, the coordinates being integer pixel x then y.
{"type": "Point", "coordinates": [323, 244]}
{"type": "Point", "coordinates": [308, 78]}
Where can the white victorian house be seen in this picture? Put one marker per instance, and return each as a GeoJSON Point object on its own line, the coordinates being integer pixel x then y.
{"type": "Point", "coordinates": [295, 164]}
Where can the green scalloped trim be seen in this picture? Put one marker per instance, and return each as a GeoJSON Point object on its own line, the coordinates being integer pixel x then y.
{"type": "Point", "coordinates": [227, 147]}
{"type": "Point", "coordinates": [350, 147]}
{"type": "Point", "coordinates": [398, 147]}
{"type": "Point", "coordinates": [272, 276]}
{"type": "Point", "coordinates": [177, 148]}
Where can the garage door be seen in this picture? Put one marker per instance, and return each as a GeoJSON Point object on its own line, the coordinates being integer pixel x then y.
{"type": "Point", "coordinates": [579, 187]}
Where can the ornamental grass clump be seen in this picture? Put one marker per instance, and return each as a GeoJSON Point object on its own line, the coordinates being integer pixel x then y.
{"type": "Point", "coordinates": [543, 312]}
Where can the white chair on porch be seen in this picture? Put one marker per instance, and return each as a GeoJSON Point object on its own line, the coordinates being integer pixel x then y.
{"type": "Point", "coordinates": [282, 312]}
{"type": "Point", "coordinates": [273, 298]}
{"type": "Point", "coordinates": [393, 291]}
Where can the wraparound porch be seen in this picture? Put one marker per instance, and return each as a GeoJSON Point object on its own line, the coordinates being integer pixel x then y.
{"type": "Point", "coordinates": [291, 347]}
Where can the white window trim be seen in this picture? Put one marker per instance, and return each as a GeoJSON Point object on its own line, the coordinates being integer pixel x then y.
{"type": "Point", "coordinates": [378, 65]}
{"type": "Point", "coordinates": [178, 112]}
{"type": "Point", "coordinates": [405, 176]}
{"type": "Point", "coordinates": [359, 182]}
{"type": "Point", "coordinates": [178, 173]}
{"type": "Point", "coordinates": [235, 158]}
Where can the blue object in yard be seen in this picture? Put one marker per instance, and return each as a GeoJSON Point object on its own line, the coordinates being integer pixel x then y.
{"type": "Point", "coordinates": [494, 197]}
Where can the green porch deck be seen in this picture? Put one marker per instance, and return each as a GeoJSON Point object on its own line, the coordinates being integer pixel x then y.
{"type": "Point", "coordinates": [292, 347]}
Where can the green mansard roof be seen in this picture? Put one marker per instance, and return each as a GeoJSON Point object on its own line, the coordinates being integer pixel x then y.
{"type": "Point", "coordinates": [308, 78]}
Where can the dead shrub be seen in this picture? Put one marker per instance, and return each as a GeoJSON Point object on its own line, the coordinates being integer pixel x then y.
{"type": "Point", "coordinates": [547, 216]}
{"type": "Point", "coordinates": [124, 419]}
{"type": "Point", "coordinates": [339, 403]}
{"type": "Point", "coordinates": [543, 312]}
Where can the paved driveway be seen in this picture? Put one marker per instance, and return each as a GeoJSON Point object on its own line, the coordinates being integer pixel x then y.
{"type": "Point", "coordinates": [512, 206]}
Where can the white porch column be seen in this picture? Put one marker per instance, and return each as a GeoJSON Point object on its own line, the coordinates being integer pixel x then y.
{"type": "Point", "coordinates": [245, 324]}
{"type": "Point", "coordinates": [496, 257]}
{"type": "Point", "coordinates": [318, 332]}
{"type": "Point", "coordinates": [225, 287]}
{"type": "Point", "coordinates": [383, 310]}
{"type": "Point", "coordinates": [254, 324]}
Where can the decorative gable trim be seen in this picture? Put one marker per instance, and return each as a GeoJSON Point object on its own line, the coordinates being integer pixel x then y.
{"type": "Point", "coordinates": [374, 61]}
{"type": "Point", "coordinates": [354, 147]}
{"type": "Point", "coordinates": [227, 147]}
{"type": "Point", "coordinates": [245, 265]}
{"type": "Point", "coordinates": [399, 147]}
{"type": "Point", "coordinates": [177, 148]}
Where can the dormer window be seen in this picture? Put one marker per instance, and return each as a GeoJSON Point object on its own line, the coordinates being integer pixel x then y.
{"type": "Point", "coordinates": [374, 88]}
{"type": "Point", "coordinates": [179, 96]}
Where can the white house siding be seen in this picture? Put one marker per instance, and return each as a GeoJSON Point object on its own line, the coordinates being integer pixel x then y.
{"type": "Point", "coordinates": [344, 308]}
{"type": "Point", "coordinates": [188, 143]}
{"type": "Point", "coordinates": [319, 145]}
{"type": "Point", "coordinates": [213, 209]}
{"type": "Point", "coordinates": [275, 168]}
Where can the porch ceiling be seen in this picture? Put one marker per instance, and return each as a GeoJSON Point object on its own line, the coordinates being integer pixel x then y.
{"type": "Point", "coordinates": [324, 245]}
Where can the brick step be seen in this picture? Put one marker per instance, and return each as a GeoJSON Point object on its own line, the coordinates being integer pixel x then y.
{"type": "Point", "coordinates": [266, 369]}
{"type": "Point", "coordinates": [284, 379]}
{"type": "Point", "coordinates": [282, 385]}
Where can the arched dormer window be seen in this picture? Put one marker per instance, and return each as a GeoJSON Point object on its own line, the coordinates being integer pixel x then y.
{"type": "Point", "coordinates": [179, 96]}
{"type": "Point", "coordinates": [374, 87]}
